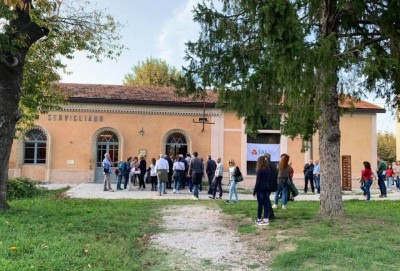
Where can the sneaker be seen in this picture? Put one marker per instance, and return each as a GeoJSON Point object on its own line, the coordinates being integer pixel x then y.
{"type": "Point", "coordinates": [263, 222]}
{"type": "Point", "coordinates": [283, 207]}
{"type": "Point", "coordinates": [274, 206]}
{"type": "Point", "coordinates": [105, 189]}
{"type": "Point", "coordinates": [174, 191]}
{"type": "Point", "coordinates": [236, 201]}
{"type": "Point", "coordinates": [211, 197]}
{"type": "Point", "coordinates": [227, 202]}
{"type": "Point", "coordinates": [258, 220]}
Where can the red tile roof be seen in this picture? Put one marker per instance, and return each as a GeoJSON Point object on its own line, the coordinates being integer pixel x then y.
{"type": "Point", "coordinates": [164, 96]}
{"type": "Point", "coordinates": [131, 95]}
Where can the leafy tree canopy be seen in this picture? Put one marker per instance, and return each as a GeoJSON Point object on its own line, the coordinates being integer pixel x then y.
{"type": "Point", "coordinates": [260, 54]}
{"type": "Point", "coordinates": [299, 59]}
{"type": "Point", "coordinates": [72, 26]}
{"type": "Point", "coordinates": [387, 147]}
{"type": "Point", "coordinates": [151, 72]}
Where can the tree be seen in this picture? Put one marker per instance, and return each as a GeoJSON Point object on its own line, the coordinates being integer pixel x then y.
{"type": "Point", "coordinates": [33, 36]}
{"type": "Point", "coordinates": [152, 72]}
{"type": "Point", "coordinates": [387, 147]}
{"type": "Point", "coordinates": [298, 58]}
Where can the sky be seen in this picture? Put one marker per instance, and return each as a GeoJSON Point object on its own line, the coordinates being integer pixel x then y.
{"type": "Point", "coordinates": [158, 29]}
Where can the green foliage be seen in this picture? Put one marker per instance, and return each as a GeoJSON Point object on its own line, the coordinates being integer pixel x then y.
{"type": "Point", "coordinates": [270, 57]}
{"type": "Point", "coordinates": [74, 26]}
{"type": "Point", "coordinates": [151, 72]}
{"type": "Point", "coordinates": [22, 188]}
{"type": "Point", "coordinates": [387, 147]}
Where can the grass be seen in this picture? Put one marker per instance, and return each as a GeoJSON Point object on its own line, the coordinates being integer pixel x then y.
{"type": "Point", "coordinates": [368, 238]}
{"type": "Point", "coordinates": [55, 233]}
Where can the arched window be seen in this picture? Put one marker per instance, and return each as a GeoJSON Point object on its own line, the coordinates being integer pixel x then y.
{"type": "Point", "coordinates": [35, 145]}
{"type": "Point", "coordinates": [176, 144]}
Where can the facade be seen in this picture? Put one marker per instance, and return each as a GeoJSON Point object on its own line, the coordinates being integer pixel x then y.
{"type": "Point", "coordinates": [67, 146]}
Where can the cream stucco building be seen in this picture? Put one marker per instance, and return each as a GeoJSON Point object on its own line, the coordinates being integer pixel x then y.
{"type": "Point", "coordinates": [67, 146]}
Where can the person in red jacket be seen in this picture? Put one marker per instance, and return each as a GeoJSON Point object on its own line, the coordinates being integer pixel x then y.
{"type": "Point", "coordinates": [389, 176]}
{"type": "Point", "coordinates": [366, 174]}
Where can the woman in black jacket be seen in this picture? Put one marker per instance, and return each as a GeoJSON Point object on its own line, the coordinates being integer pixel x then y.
{"type": "Point", "coordinates": [262, 189]}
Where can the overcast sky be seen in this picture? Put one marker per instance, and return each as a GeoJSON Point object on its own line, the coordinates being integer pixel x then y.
{"type": "Point", "coordinates": [160, 29]}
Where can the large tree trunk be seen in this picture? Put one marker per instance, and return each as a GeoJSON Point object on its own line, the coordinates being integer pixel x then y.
{"type": "Point", "coordinates": [331, 203]}
{"type": "Point", "coordinates": [11, 74]}
{"type": "Point", "coordinates": [10, 89]}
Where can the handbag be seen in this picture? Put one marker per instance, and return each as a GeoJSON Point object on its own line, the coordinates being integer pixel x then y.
{"type": "Point", "coordinates": [293, 189]}
{"type": "Point", "coordinates": [238, 178]}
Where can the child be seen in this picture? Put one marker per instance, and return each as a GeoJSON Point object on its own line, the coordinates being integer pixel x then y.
{"type": "Point", "coordinates": [389, 176]}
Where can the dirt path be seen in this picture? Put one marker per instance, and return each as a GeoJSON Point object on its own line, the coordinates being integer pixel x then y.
{"type": "Point", "coordinates": [203, 238]}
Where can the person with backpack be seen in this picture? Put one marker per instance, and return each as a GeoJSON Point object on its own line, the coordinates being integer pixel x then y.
{"type": "Point", "coordinates": [107, 171]}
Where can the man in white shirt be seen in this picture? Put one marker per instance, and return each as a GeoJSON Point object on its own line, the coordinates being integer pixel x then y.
{"type": "Point", "coordinates": [219, 171]}
{"type": "Point", "coordinates": [162, 168]}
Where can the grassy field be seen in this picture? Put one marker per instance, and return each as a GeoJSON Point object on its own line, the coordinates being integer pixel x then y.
{"type": "Point", "coordinates": [55, 233]}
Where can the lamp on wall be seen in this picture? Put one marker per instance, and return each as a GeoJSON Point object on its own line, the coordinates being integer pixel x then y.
{"type": "Point", "coordinates": [141, 132]}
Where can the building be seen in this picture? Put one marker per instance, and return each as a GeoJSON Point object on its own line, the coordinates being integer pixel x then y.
{"type": "Point", "coordinates": [67, 146]}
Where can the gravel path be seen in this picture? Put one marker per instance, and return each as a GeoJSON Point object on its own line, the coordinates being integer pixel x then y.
{"type": "Point", "coordinates": [206, 240]}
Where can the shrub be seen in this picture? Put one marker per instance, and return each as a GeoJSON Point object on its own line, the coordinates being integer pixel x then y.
{"type": "Point", "coordinates": [22, 188]}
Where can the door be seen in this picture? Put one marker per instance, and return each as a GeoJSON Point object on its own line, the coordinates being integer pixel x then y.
{"type": "Point", "coordinates": [107, 142]}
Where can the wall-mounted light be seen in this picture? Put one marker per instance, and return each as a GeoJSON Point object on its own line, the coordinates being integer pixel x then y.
{"type": "Point", "coordinates": [141, 132]}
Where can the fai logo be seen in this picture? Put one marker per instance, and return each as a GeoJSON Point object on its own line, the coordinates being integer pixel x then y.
{"type": "Point", "coordinates": [254, 152]}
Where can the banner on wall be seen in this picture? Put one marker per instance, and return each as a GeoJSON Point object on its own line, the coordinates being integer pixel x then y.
{"type": "Point", "coordinates": [256, 150]}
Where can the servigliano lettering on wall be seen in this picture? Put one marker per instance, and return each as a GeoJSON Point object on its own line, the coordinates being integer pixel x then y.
{"type": "Point", "coordinates": [76, 118]}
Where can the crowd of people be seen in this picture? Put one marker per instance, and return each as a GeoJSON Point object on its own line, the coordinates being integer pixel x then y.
{"type": "Point", "coordinates": [177, 172]}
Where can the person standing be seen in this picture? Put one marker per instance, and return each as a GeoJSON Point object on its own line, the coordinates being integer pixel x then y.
{"type": "Point", "coordinates": [219, 171]}
{"type": "Point", "coordinates": [389, 176]}
{"type": "Point", "coordinates": [196, 170]}
{"type": "Point", "coordinates": [170, 165]}
{"type": "Point", "coordinates": [308, 176]}
{"type": "Point", "coordinates": [107, 172]}
{"type": "Point", "coordinates": [162, 168]}
{"type": "Point", "coordinates": [120, 175]}
{"type": "Point", "coordinates": [381, 171]}
{"type": "Point", "coordinates": [211, 166]}
{"type": "Point", "coordinates": [233, 171]}
{"type": "Point", "coordinates": [261, 190]}
{"type": "Point", "coordinates": [366, 174]}
{"type": "Point", "coordinates": [127, 171]}
{"type": "Point", "coordinates": [189, 177]}
{"type": "Point", "coordinates": [283, 181]}
{"type": "Point", "coordinates": [317, 177]}
{"type": "Point", "coordinates": [397, 173]}
{"type": "Point", "coordinates": [274, 182]}
{"type": "Point", "coordinates": [136, 173]}
{"type": "Point", "coordinates": [179, 172]}
{"type": "Point", "coordinates": [142, 168]}
{"type": "Point", "coordinates": [153, 174]}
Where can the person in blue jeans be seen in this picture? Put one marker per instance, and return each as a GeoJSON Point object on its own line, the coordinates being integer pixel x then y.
{"type": "Point", "coordinates": [262, 190]}
{"type": "Point", "coordinates": [381, 171]}
{"type": "Point", "coordinates": [366, 174]}
{"type": "Point", "coordinates": [283, 181]}
{"type": "Point", "coordinates": [232, 184]}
